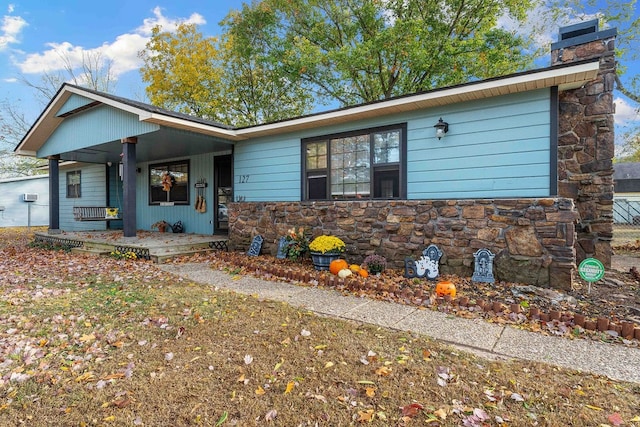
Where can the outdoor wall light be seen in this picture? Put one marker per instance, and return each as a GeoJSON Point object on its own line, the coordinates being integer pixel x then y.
{"type": "Point", "coordinates": [442, 127]}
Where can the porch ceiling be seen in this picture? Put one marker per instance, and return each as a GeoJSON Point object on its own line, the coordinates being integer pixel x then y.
{"type": "Point", "coordinates": [162, 144]}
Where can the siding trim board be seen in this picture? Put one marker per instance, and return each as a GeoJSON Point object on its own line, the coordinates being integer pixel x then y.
{"type": "Point", "coordinates": [553, 140]}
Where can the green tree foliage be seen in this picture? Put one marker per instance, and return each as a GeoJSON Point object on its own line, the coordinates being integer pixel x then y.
{"type": "Point", "coordinates": [275, 54]}
{"type": "Point", "coordinates": [255, 87]}
{"type": "Point", "coordinates": [358, 51]}
{"type": "Point", "coordinates": [183, 71]}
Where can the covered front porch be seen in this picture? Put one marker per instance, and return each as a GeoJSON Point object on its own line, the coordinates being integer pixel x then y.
{"type": "Point", "coordinates": [151, 245]}
{"type": "Point", "coordinates": [151, 164]}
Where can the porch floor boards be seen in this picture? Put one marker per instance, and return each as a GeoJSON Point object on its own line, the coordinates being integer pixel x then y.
{"type": "Point", "coordinates": [158, 246]}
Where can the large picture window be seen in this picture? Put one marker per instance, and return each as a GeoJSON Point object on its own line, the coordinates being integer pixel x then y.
{"type": "Point", "coordinates": [356, 165]}
{"type": "Point", "coordinates": [73, 184]}
{"type": "Point", "coordinates": [169, 183]}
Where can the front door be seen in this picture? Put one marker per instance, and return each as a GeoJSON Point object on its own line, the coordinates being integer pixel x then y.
{"type": "Point", "coordinates": [223, 191]}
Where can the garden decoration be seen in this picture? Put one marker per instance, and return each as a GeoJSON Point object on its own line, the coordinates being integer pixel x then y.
{"type": "Point", "coordinates": [375, 264]}
{"type": "Point", "coordinates": [282, 248]}
{"type": "Point", "coordinates": [444, 288]}
{"type": "Point", "coordinates": [161, 226]}
{"type": "Point", "coordinates": [256, 246]}
{"type": "Point", "coordinates": [297, 243]}
{"type": "Point", "coordinates": [201, 202]}
{"type": "Point", "coordinates": [336, 265]}
{"type": "Point", "coordinates": [427, 266]}
{"type": "Point", "coordinates": [324, 250]}
{"type": "Point", "coordinates": [483, 266]}
{"type": "Point", "coordinates": [178, 227]}
{"type": "Point", "coordinates": [344, 273]}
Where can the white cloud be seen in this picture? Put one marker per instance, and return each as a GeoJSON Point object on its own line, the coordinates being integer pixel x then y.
{"type": "Point", "coordinates": [10, 30]}
{"type": "Point", "coordinates": [542, 24]}
{"type": "Point", "coordinates": [11, 8]}
{"type": "Point", "coordinates": [122, 52]}
{"type": "Point", "coordinates": [626, 114]}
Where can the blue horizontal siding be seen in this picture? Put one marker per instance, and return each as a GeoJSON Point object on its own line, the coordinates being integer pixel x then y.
{"type": "Point", "coordinates": [498, 147]}
{"type": "Point", "coordinates": [15, 211]}
{"type": "Point", "coordinates": [201, 167]}
{"type": "Point", "coordinates": [268, 169]}
{"type": "Point", "coordinates": [94, 127]}
{"type": "Point", "coordinates": [93, 192]}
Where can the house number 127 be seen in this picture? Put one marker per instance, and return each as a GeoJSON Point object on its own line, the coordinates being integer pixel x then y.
{"type": "Point", "coordinates": [243, 178]}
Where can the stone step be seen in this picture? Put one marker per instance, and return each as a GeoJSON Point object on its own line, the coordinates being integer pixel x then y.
{"type": "Point", "coordinates": [160, 258]}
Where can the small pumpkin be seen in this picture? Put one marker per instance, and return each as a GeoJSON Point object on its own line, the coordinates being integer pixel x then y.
{"type": "Point", "coordinates": [337, 265]}
{"type": "Point", "coordinates": [344, 273]}
{"type": "Point", "coordinates": [445, 287]}
{"type": "Point", "coordinates": [354, 268]}
{"type": "Point", "coordinates": [363, 273]}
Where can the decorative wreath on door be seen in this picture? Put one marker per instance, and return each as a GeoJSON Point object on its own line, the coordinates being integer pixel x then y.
{"type": "Point", "coordinates": [167, 181]}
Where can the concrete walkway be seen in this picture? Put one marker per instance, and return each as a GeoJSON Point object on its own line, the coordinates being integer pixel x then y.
{"type": "Point", "coordinates": [475, 335]}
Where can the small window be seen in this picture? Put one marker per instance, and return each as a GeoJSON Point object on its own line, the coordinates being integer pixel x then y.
{"type": "Point", "coordinates": [169, 182]}
{"type": "Point", "coordinates": [73, 185]}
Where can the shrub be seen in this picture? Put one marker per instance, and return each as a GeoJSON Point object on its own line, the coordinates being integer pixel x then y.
{"type": "Point", "coordinates": [375, 263]}
{"type": "Point", "coordinates": [297, 243]}
{"type": "Point", "coordinates": [327, 245]}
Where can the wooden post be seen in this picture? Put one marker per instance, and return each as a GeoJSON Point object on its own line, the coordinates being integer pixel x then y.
{"type": "Point", "coordinates": [54, 195]}
{"type": "Point", "coordinates": [129, 184]}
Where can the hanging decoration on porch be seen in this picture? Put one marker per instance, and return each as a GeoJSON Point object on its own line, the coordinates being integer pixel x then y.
{"type": "Point", "coordinates": [201, 202]}
{"type": "Point", "coordinates": [167, 181]}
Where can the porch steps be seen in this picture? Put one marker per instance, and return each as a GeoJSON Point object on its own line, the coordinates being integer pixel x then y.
{"type": "Point", "coordinates": [157, 254]}
{"type": "Point", "coordinates": [157, 247]}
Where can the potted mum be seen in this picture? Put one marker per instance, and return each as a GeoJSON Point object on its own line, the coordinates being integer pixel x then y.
{"type": "Point", "coordinates": [325, 249]}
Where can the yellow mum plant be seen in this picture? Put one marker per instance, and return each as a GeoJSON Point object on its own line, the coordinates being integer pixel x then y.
{"type": "Point", "coordinates": [327, 245]}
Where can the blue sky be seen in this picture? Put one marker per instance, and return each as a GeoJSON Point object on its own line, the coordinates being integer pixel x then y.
{"type": "Point", "coordinates": [33, 31]}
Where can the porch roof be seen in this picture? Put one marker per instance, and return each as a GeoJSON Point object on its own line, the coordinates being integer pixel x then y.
{"type": "Point", "coordinates": [209, 135]}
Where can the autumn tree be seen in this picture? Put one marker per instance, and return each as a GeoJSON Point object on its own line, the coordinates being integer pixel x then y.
{"type": "Point", "coordinates": [183, 71]}
{"type": "Point", "coordinates": [229, 80]}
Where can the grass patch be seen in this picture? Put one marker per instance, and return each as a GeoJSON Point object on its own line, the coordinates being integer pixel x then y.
{"type": "Point", "coordinates": [98, 341]}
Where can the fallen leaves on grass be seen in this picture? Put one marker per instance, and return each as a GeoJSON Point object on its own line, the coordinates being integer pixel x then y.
{"type": "Point", "coordinates": [94, 342]}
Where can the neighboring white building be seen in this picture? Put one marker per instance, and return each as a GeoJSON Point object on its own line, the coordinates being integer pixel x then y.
{"type": "Point", "coordinates": [15, 211]}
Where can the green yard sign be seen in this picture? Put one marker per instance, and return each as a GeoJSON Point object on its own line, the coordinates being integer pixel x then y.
{"type": "Point", "coordinates": [591, 270]}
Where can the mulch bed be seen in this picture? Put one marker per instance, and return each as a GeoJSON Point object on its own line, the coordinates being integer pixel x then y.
{"type": "Point", "coordinates": [607, 311]}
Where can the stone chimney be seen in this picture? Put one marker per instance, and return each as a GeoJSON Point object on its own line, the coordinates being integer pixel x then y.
{"type": "Point", "coordinates": [586, 137]}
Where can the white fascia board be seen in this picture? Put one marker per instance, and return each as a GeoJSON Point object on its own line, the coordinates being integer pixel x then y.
{"type": "Point", "coordinates": [196, 127]}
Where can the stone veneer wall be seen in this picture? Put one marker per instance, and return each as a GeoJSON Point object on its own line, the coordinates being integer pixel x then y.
{"type": "Point", "coordinates": [586, 148]}
{"type": "Point", "coordinates": [533, 239]}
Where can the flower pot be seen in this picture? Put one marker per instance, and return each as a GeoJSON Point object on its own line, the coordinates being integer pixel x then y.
{"type": "Point", "coordinates": [321, 261]}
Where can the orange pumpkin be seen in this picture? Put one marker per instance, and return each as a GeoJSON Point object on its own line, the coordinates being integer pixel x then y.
{"type": "Point", "coordinates": [354, 267]}
{"type": "Point", "coordinates": [363, 273]}
{"type": "Point", "coordinates": [337, 265]}
{"type": "Point", "coordinates": [445, 287]}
